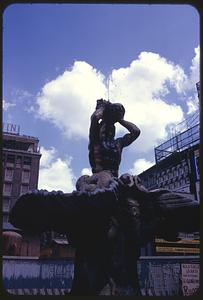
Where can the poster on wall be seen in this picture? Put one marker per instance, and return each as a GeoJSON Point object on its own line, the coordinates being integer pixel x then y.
{"type": "Point", "coordinates": [190, 278]}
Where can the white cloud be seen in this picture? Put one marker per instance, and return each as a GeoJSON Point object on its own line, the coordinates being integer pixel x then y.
{"type": "Point", "coordinates": [86, 171]}
{"type": "Point", "coordinates": [69, 100]}
{"type": "Point", "coordinates": [47, 157]}
{"type": "Point", "coordinates": [141, 88]}
{"type": "Point", "coordinates": [7, 105]}
{"type": "Point", "coordinates": [140, 165]}
{"type": "Point", "coordinates": [24, 99]}
{"type": "Point", "coordinates": [21, 95]}
{"type": "Point", "coordinates": [194, 76]}
{"type": "Point", "coordinates": [192, 104]}
{"type": "Point", "coordinates": [55, 173]}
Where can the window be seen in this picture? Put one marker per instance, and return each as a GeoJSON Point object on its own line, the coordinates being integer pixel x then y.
{"type": "Point", "coordinates": [171, 186]}
{"type": "Point", "coordinates": [186, 170]}
{"type": "Point", "coordinates": [181, 171]}
{"type": "Point", "coordinates": [6, 205]}
{"type": "Point", "coordinates": [3, 159]}
{"type": "Point", "coordinates": [8, 174]}
{"type": "Point", "coordinates": [10, 158]}
{"type": "Point", "coordinates": [18, 161]}
{"type": "Point", "coordinates": [175, 173]}
{"type": "Point", "coordinates": [5, 218]}
{"type": "Point", "coordinates": [7, 189]}
{"type": "Point", "coordinates": [25, 176]}
{"type": "Point", "coordinates": [27, 162]}
{"type": "Point", "coordinates": [24, 189]}
{"type": "Point", "coordinates": [182, 181]}
{"type": "Point", "coordinates": [176, 184]}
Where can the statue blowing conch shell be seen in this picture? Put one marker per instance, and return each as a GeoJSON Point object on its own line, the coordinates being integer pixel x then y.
{"type": "Point", "coordinates": [107, 218]}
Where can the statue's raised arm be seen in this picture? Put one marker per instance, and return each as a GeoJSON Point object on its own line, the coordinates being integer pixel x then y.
{"type": "Point", "coordinates": [129, 138]}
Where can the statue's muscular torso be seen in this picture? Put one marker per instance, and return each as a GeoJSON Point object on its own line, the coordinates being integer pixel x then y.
{"type": "Point", "coordinates": [105, 156]}
{"type": "Point", "coordinates": [105, 151]}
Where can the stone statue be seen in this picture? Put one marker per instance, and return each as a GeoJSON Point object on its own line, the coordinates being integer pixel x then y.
{"type": "Point", "coordinates": [105, 157]}
{"type": "Point", "coordinates": [108, 218]}
{"type": "Point", "coordinates": [104, 150]}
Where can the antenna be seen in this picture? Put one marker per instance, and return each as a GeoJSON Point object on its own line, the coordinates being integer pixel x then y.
{"type": "Point", "coordinates": [108, 88]}
{"type": "Point", "coordinates": [108, 83]}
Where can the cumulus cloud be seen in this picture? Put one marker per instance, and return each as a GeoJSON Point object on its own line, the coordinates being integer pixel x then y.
{"type": "Point", "coordinates": [69, 100]}
{"type": "Point", "coordinates": [86, 171]}
{"type": "Point", "coordinates": [24, 99]}
{"type": "Point", "coordinates": [55, 173]}
{"type": "Point", "coordinates": [21, 95]}
{"type": "Point", "coordinates": [190, 85]}
{"type": "Point", "coordinates": [194, 75]}
{"type": "Point", "coordinates": [7, 105]}
{"type": "Point", "coordinates": [140, 165]}
{"type": "Point", "coordinates": [47, 157]}
{"type": "Point", "coordinates": [187, 86]}
{"type": "Point", "coordinates": [192, 104]}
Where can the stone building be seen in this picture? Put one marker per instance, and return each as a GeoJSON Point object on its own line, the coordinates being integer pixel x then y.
{"type": "Point", "coordinates": [20, 162]}
{"type": "Point", "coordinates": [177, 165]}
{"type": "Point", "coordinates": [177, 169]}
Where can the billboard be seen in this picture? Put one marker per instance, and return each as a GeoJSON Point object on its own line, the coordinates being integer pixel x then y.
{"type": "Point", "coordinates": [11, 128]}
{"type": "Point", "coordinates": [190, 278]}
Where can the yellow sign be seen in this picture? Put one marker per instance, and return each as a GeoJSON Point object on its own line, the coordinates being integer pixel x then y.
{"type": "Point", "coordinates": [178, 250]}
{"type": "Point", "coordinates": [178, 242]}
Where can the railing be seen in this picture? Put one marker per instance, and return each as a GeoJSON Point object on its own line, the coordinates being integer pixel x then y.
{"type": "Point", "coordinates": [178, 143]}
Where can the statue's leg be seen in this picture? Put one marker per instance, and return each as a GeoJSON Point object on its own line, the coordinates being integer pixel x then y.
{"type": "Point", "coordinates": [80, 280]}
{"type": "Point", "coordinates": [124, 267]}
{"type": "Point", "coordinates": [90, 269]}
{"type": "Point", "coordinates": [126, 250]}
{"type": "Point", "coordinates": [132, 255]}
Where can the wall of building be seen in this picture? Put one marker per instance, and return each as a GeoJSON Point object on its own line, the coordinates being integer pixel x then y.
{"type": "Point", "coordinates": [179, 172]}
{"type": "Point", "coordinates": [20, 168]}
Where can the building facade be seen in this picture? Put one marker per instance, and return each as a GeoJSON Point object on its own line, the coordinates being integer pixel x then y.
{"type": "Point", "coordinates": [177, 169]}
{"type": "Point", "coordinates": [21, 157]}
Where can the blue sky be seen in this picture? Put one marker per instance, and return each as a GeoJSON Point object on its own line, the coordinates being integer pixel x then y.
{"type": "Point", "coordinates": [56, 62]}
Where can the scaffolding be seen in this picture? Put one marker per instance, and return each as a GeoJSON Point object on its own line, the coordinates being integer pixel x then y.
{"type": "Point", "coordinates": [185, 135]}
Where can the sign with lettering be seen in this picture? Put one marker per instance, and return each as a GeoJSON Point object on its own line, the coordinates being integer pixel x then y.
{"type": "Point", "coordinates": [190, 278]}
{"type": "Point", "coordinates": [11, 128]}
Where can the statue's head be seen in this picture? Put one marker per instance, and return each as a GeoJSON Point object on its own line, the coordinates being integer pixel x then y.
{"type": "Point", "coordinates": [102, 103]}
{"type": "Point", "coordinates": [113, 112]}
{"type": "Point", "coordinates": [118, 111]}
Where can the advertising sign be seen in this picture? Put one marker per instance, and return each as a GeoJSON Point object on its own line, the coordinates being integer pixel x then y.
{"type": "Point", "coordinates": [190, 278]}
{"type": "Point", "coordinates": [11, 128]}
